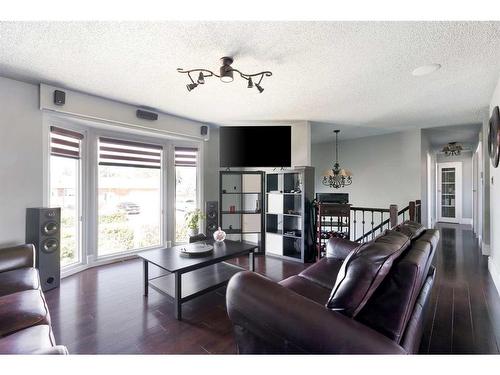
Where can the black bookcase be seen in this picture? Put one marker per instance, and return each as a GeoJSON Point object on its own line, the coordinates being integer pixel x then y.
{"type": "Point", "coordinates": [242, 206]}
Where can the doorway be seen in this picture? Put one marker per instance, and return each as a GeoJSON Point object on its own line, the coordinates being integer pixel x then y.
{"type": "Point", "coordinates": [449, 192]}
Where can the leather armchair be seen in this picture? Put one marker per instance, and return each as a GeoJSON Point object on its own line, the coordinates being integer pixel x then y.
{"type": "Point", "coordinates": [15, 257]}
{"type": "Point", "coordinates": [25, 326]}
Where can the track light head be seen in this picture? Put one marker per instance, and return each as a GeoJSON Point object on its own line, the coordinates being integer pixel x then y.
{"type": "Point", "coordinates": [259, 87]}
{"type": "Point", "coordinates": [201, 79]}
{"type": "Point", "coordinates": [191, 86]}
{"type": "Point", "coordinates": [226, 72]}
{"type": "Point", "coordinates": [250, 83]}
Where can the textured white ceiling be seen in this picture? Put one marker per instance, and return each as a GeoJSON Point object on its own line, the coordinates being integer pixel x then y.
{"type": "Point", "coordinates": [466, 134]}
{"type": "Point", "coordinates": [345, 73]}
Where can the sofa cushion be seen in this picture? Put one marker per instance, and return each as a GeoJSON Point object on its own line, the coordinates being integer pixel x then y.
{"type": "Point", "coordinates": [307, 289]}
{"type": "Point", "coordinates": [339, 247]}
{"type": "Point", "coordinates": [324, 272]}
{"type": "Point", "coordinates": [27, 340]}
{"type": "Point", "coordinates": [21, 310]}
{"type": "Point", "coordinates": [410, 228]}
{"type": "Point", "coordinates": [389, 309]}
{"type": "Point", "coordinates": [18, 280]}
{"type": "Point", "coordinates": [363, 271]}
{"type": "Point", "coordinates": [431, 236]}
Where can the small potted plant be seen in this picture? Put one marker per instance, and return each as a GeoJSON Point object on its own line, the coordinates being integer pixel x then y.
{"type": "Point", "coordinates": [193, 221]}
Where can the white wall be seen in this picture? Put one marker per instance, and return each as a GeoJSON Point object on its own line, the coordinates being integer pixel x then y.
{"type": "Point", "coordinates": [427, 210]}
{"type": "Point", "coordinates": [21, 142]}
{"type": "Point", "coordinates": [116, 113]}
{"type": "Point", "coordinates": [494, 260]}
{"type": "Point", "coordinates": [466, 159]}
{"type": "Point", "coordinates": [485, 245]}
{"type": "Point", "coordinates": [386, 168]}
{"type": "Point", "coordinates": [21, 179]}
{"type": "Point", "coordinates": [211, 164]}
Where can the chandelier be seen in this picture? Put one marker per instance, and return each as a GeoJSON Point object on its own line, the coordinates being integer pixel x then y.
{"type": "Point", "coordinates": [452, 149]}
{"type": "Point", "coordinates": [337, 177]}
{"type": "Point", "coordinates": [225, 75]}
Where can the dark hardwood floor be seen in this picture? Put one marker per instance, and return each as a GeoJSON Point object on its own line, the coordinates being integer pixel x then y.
{"type": "Point", "coordinates": [465, 306]}
{"type": "Point", "coordinates": [102, 310]}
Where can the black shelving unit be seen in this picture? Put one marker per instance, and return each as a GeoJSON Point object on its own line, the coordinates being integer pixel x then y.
{"type": "Point", "coordinates": [288, 226]}
{"type": "Point", "coordinates": [242, 206]}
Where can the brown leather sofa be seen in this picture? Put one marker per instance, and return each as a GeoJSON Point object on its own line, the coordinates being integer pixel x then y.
{"type": "Point", "coordinates": [391, 303]}
{"type": "Point", "coordinates": [24, 316]}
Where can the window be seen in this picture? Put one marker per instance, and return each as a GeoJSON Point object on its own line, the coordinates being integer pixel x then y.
{"type": "Point", "coordinates": [185, 188]}
{"type": "Point", "coordinates": [129, 196]}
{"type": "Point", "coordinates": [65, 190]}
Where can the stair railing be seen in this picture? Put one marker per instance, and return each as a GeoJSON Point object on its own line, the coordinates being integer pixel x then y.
{"type": "Point", "coordinates": [375, 220]}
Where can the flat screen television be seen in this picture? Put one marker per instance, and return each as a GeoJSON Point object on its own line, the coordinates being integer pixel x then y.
{"type": "Point", "coordinates": [255, 146]}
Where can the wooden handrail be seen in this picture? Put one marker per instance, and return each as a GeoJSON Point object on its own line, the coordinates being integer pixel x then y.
{"type": "Point", "coordinates": [413, 210]}
{"type": "Point", "coordinates": [369, 209]}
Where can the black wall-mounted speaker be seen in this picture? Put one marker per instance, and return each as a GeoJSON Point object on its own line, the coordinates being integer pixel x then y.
{"type": "Point", "coordinates": [146, 115]}
{"type": "Point", "coordinates": [212, 220]}
{"type": "Point", "coordinates": [43, 229]}
{"type": "Point", "coordinates": [59, 97]}
{"type": "Point", "coordinates": [204, 130]}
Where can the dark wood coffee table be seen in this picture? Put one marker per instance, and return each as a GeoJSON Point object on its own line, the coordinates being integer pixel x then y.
{"type": "Point", "coordinates": [190, 277]}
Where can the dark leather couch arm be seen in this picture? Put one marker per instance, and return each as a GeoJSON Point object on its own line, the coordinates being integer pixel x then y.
{"type": "Point", "coordinates": [339, 247]}
{"type": "Point", "coordinates": [269, 318]}
{"type": "Point", "coordinates": [15, 257]}
{"type": "Point", "coordinates": [55, 350]}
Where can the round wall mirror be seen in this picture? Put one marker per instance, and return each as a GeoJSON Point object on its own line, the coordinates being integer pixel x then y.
{"type": "Point", "coordinates": [494, 137]}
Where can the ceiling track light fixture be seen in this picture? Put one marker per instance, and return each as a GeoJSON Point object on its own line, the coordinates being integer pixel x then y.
{"type": "Point", "coordinates": [226, 74]}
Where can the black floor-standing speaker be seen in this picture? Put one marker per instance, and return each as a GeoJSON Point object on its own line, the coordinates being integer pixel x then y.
{"type": "Point", "coordinates": [212, 220]}
{"type": "Point", "coordinates": [43, 229]}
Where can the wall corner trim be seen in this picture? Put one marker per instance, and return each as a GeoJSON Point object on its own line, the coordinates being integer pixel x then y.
{"type": "Point", "coordinates": [495, 274]}
{"type": "Point", "coordinates": [485, 248]}
{"type": "Point", "coordinates": [466, 221]}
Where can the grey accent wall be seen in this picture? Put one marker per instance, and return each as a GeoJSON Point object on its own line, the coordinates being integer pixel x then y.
{"type": "Point", "coordinates": [466, 159]}
{"type": "Point", "coordinates": [386, 168]}
{"type": "Point", "coordinates": [211, 165]}
{"type": "Point", "coordinates": [21, 168]}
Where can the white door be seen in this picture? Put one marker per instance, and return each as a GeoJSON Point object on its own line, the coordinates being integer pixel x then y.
{"type": "Point", "coordinates": [449, 192]}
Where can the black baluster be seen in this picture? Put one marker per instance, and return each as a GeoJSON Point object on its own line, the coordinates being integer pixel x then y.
{"type": "Point", "coordinates": [363, 226]}
{"type": "Point", "coordinates": [372, 226]}
{"type": "Point", "coordinates": [354, 222]}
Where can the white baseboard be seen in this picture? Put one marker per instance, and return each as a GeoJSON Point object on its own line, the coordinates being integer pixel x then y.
{"type": "Point", "coordinates": [485, 248]}
{"type": "Point", "coordinates": [466, 221]}
{"type": "Point", "coordinates": [495, 274]}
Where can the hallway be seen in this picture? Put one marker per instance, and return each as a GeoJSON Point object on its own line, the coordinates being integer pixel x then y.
{"type": "Point", "coordinates": [465, 306]}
